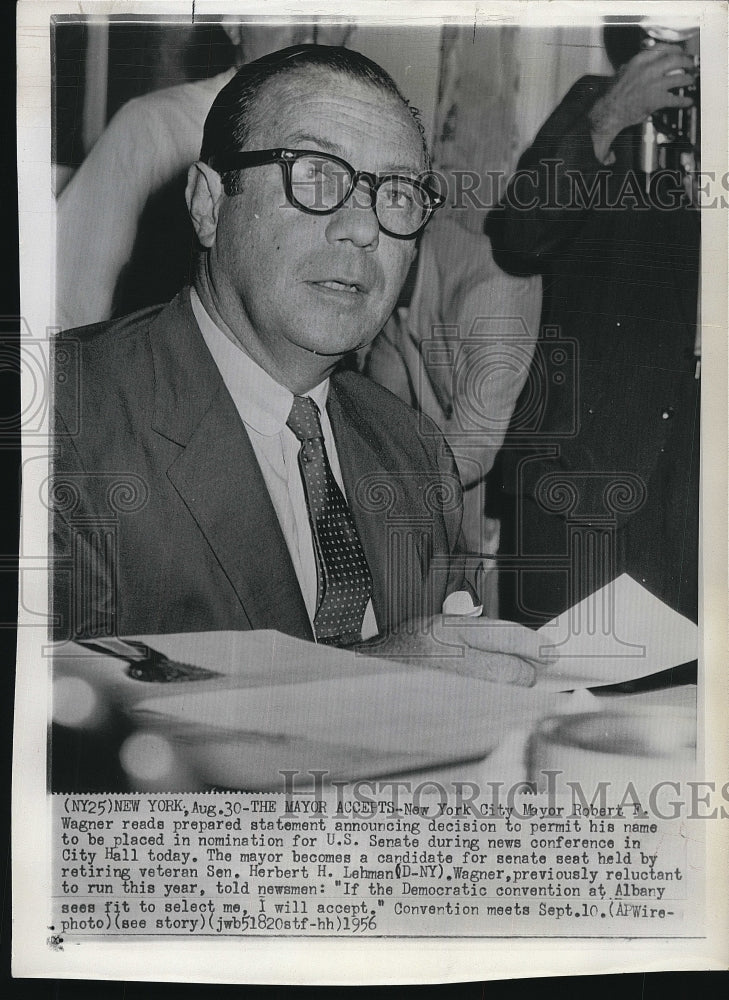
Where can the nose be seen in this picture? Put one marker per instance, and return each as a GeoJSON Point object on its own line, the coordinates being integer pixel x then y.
{"type": "Point", "coordinates": [355, 220]}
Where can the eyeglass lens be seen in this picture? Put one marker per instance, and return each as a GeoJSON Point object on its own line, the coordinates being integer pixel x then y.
{"type": "Point", "coordinates": [320, 184]}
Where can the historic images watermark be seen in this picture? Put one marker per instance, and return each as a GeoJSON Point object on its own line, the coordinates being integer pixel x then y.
{"type": "Point", "coordinates": [556, 797]}
{"type": "Point", "coordinates": [555, 185]}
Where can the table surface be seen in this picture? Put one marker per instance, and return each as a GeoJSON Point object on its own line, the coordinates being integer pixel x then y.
{"type": "Point", "coordinates": [349, 715]}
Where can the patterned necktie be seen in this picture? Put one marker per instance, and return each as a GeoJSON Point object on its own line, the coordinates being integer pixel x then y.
{"type": "Point", "coordinates": [344, 580]}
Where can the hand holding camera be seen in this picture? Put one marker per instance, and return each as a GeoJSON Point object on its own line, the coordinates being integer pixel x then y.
{"type": "Point", "coordinates": [654, 79]}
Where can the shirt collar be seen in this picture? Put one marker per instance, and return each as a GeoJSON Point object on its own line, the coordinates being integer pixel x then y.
{"type": "Point", "coordinates": [262, 403]}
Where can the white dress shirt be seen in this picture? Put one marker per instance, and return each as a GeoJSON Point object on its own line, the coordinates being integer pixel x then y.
{"type": "Point", "coordinates": [264, 407]}
{"type": "Point", "coordinates": [149, 141]}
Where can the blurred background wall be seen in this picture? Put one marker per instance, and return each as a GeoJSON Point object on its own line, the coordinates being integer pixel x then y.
{"type": "Point", "coordinates": [505, 80]}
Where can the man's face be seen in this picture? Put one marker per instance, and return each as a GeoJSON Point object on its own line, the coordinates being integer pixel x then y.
{"type": "Point", "coordinates": [314, 283]}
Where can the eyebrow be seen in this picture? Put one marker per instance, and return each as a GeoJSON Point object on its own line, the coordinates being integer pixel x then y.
{"type": "Point", "coordinates": [332, 147]}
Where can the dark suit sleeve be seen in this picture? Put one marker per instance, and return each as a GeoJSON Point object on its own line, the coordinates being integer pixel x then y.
{"type": "Point", "coordinates": [82, 546]}
{"type": "Point", "coordinates": [547, 199]}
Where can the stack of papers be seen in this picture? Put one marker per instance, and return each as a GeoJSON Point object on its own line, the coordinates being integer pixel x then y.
{"type": "Point", "coordinates": [282, 703]}
{"type": "Point", "coordinates": [618, 634]}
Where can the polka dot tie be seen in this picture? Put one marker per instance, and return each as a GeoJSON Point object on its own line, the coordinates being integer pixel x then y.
{"type": "Point", "coordinates": [344, 580]}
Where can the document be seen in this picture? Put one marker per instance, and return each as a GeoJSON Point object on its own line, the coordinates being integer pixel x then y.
{"type": "Point", "coordinates": [232, 801]}
{"type": "Point", "coordinates": [619, 633]}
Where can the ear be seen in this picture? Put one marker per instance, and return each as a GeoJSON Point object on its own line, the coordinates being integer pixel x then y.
{"type": "Point", "coordinates": [203, 194]}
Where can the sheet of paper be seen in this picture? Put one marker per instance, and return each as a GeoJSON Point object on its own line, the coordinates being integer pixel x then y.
{"type": "Point", "coordinates": [619, 633]}
{"type": "Point", "coordinates": [280, 699]}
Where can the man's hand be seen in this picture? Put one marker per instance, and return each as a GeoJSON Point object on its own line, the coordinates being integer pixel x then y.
{"type": "Point", "coordinates": [485, 648]}
{"type": "Point", "coordinates": [642, 86]}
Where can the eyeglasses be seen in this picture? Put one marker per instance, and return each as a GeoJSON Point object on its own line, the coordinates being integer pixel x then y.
{"type": "Point", "coordinates": [320, 183]}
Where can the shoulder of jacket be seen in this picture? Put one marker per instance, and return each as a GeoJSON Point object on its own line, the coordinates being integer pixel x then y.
{"type": "Point", "coordinates": [105, 334]}
{"type": "Point", "coordinates": [385, 416]}
{"type": "Point", "coordinates": [365, 392]}
{"type": "Point", "coordinates": [591, 86]}
{"type": "Point", "coordinates": [102, 365]}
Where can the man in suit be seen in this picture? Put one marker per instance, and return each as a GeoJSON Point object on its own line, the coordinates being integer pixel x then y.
{"type": "Point", "coordinates": [183, 489]}
{"type": "Point", "coordinates": [601, 467]}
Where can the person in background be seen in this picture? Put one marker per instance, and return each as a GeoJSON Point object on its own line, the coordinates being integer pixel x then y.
{"type": "Point", "coordinates": [124, 239]}
{"type": "Point", "coordinates": [459, 347]}
{"type": "Point", "coordinates": [460, 353]}
{"type": "Point", "coordinates": [604, 479]}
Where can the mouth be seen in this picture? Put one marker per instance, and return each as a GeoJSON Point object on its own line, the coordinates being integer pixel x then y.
{"type": "Point", "coordinates": [343, 286]}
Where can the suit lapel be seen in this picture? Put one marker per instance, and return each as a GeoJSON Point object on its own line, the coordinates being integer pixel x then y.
{"type": "Point", "coordinates": [217, 475]}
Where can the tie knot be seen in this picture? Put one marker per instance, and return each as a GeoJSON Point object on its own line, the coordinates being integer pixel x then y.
{"type": "Point", "coordinates": [304, 419]}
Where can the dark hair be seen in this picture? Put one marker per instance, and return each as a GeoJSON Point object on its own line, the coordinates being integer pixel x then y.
{"type": "Point", "coordinates": [229, 120]}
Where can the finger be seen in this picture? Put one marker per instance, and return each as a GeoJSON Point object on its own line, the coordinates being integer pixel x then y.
{"type": "Point", "coordinates": [658, 68]}
{"type": "Point", "coordinates": [684, 65]}
{"type": "Point", "coordinates": [495, 636]}
{"type": "Point", "coordinates": [669, 99]}
{"type": "Point", "coordinates": [679, 79]}
{"type": "Point", "coordinates": [500, 668]}
{"type": "Point", "coordinates": [655, 60]}
{"type": "Point", "coordinates": [652, 54]}
{"type": "Point", "coordinates": [665, 81]}
{"type": "Point", "coordinates": [677, 101]}
{"type": "Point", "coordinates": [670, 54]}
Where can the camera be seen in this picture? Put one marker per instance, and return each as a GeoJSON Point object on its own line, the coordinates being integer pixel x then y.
{"type": "Point", "coordinates": [670, 137]}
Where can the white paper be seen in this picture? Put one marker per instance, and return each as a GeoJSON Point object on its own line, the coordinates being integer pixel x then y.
{"type": "Point", "coordinates": [619, 633]}
{"type": "Point", "coordinates": [278, 697]}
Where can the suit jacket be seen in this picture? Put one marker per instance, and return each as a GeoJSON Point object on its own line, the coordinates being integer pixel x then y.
{"type": "Point", "coordinates": [607, 428]}
{"type": "Point", "coordinates": [162, 520]}
{"type": "Point", "coordinates": [612, 386]}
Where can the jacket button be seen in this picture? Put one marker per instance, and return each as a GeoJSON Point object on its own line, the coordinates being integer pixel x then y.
{"type": "Point", "coordinates": [667, 413]}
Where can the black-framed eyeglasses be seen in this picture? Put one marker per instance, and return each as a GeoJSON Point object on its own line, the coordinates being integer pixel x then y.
{"type": "Point", "coordinates": [320, 183]}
